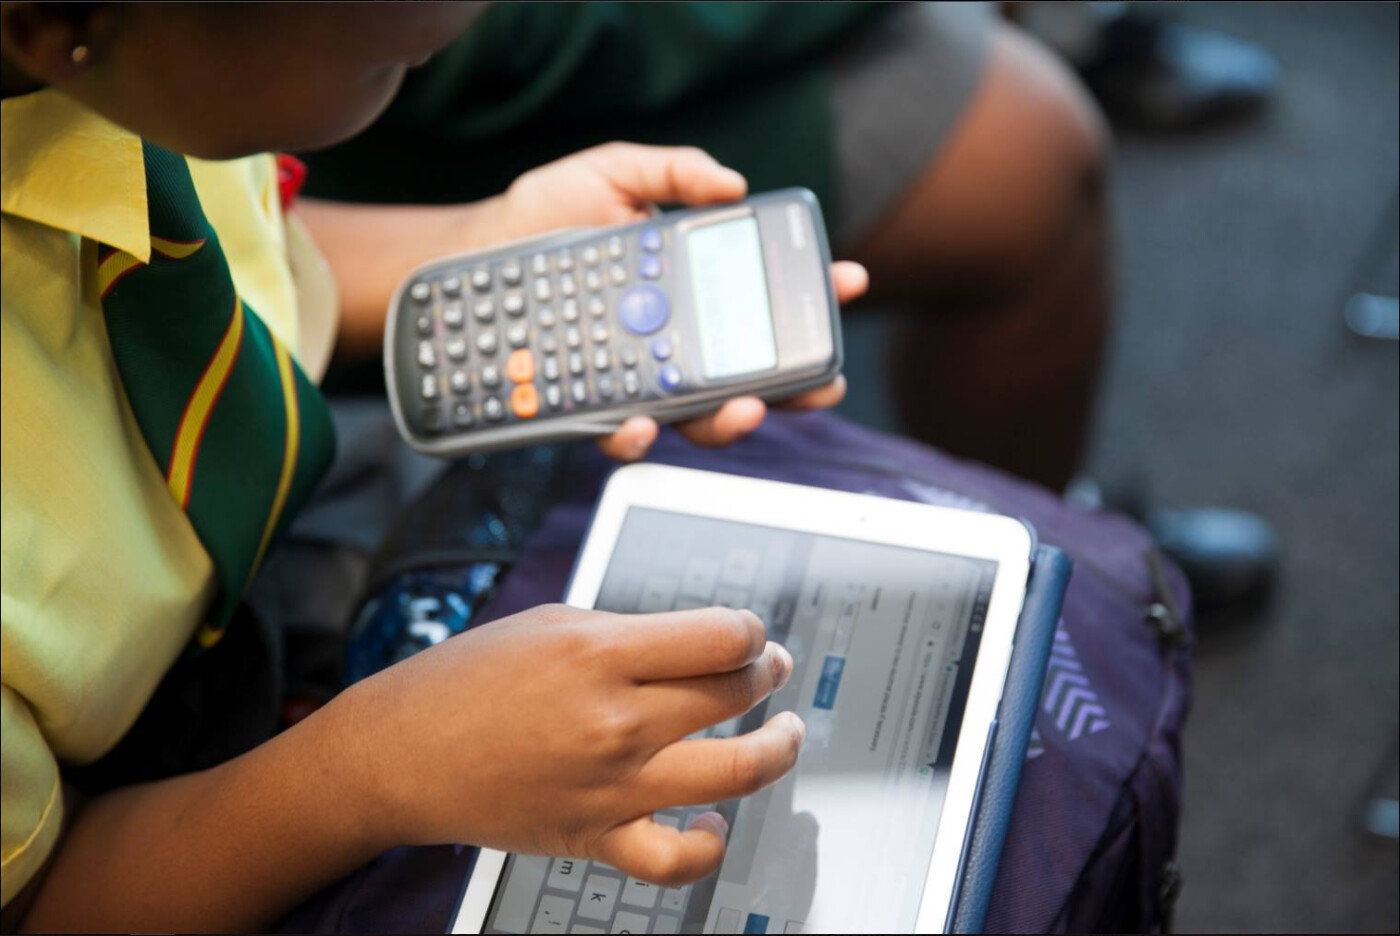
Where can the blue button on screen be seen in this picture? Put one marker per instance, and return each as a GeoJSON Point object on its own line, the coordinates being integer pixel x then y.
{"type": "Point", "coordinates": [756, 923]}
{"type": "Point", "coordinates": [830, 682]}
{"type": "Point", "coordinates": [643, 309]}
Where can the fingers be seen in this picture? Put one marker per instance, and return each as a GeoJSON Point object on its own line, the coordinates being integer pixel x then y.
{"type": "Point", "coordinates": [646, 849]}
{"type": "Point", "coordinates": [728, 424]}
{"type": "Point", "coordinates": [666, 173]}
{"type": "Point", "coordinates": [679, 644]}
{"type": "Point", "coordinates": [850, 280]}
{"type": "Point", "coordinates": [679, 707]}
{"type": "Point", "coordinates": [630, 442]}
{"type": "Point", "coordinates": [716, 769]}
{"type": "Point", "coordinates": [820, 398]}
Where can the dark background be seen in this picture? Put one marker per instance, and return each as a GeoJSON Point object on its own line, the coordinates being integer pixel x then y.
{"type": "Point", "coordinates": [1233, 380]}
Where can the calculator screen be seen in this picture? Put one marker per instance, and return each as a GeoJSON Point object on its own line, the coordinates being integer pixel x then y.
{"type": "Point", "coordinates": [731, 299]}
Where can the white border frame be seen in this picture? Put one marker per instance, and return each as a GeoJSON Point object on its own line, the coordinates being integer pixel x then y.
{"type": "Point", "coordinates": [851, 516]}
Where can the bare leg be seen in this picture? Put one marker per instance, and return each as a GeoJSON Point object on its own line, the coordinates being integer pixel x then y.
{"type": "Point", "coordinates": [1003, 244]}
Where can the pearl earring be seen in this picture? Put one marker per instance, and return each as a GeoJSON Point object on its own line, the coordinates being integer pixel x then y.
{"type": "Point", "coordinates": [79, 54]}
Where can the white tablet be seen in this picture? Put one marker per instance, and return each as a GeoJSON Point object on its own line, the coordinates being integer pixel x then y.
{"type": "Point", "coordinates": [900, 619]}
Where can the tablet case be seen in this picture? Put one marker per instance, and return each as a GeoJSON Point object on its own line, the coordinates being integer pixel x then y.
{"type": "Point", "coordinates": [1035, 632]}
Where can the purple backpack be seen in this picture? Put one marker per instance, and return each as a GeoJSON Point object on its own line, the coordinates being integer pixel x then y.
{"type": "Point", "coordinates": [1092, 836]}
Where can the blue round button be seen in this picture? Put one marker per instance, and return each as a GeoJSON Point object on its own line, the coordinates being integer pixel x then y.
{"type": "Point", "coordinates": [661, 348]}
{"type": "Point", "coordinates": [649, 266]}
{"type": "Point", "coordinates": [670, 377]}
{"type": "Point", "coordinates": [643, 309]}
{"type": "Point", "coordinates": [650, 239]}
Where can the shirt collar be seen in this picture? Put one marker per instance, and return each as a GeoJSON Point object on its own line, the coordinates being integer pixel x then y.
{"type": "Point", "coordinates": [64, 166]}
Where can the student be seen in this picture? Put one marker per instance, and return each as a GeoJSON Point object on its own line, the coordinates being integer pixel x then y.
{"type": "Point", "coordinates": [161, 424]}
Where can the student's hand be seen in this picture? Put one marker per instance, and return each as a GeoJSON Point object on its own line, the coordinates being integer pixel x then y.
{"type": "Point", "coordinates": [559, 732]}
{"type": "Point", "coordinates": [618, 183]}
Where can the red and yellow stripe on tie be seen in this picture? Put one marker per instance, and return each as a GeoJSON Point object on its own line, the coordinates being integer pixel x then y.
{"type": "Point", "coordinates": [119, 263]}
{"type": "Point", "coordinates": [180, 474]}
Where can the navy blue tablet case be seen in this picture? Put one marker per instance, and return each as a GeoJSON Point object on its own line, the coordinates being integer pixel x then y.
{"type": "Point", "coordinates": [1035, 632]}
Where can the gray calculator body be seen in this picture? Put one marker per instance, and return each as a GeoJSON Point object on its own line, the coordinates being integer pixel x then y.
{"type": "Point", "coordinates": [569, 334]}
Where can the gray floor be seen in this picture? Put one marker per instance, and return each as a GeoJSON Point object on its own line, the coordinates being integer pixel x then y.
{"type": "Point", "coordinates": [1234, 381]}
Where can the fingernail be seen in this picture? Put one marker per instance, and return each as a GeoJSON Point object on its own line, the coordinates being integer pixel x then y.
{"type": "Point", "coordinates": [786, 664]}
{"type": "Point", "coordinates": [712, 821]}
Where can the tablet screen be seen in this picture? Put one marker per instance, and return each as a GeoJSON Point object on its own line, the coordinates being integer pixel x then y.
{"type": "Point", "coordinates": [884, 639]}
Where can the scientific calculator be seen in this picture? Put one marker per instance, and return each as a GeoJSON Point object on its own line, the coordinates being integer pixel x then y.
{"type": "Point", "coordinates": [568, 334]}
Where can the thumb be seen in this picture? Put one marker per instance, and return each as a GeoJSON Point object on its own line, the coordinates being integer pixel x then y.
{"type": "Point", "coordinates": [684, 174]}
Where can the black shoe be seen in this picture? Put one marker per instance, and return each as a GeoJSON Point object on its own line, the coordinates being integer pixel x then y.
{"type": "Point", "coordinates": [1162, 75]}
{"type": "Point", "coordinates": [1230, 557]}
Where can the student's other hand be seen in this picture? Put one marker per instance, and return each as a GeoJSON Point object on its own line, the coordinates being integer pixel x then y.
{"type": "Point", "coordinates": [560, 732]}
{"type": "Point", "coordinates": [618, 183]}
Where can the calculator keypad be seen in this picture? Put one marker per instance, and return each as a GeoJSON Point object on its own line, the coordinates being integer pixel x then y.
{"type": "Point", "coordinates": [542, 334]}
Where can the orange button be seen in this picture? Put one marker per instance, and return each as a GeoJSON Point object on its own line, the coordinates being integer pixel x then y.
{"type": "Point", "coordinates": [525, 400]}
{"type": "Point", "coordinates": [520, 366]}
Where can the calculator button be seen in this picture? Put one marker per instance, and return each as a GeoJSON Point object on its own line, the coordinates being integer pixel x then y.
{"type": "Point", "coordinates": [569, 310]}
{"type": "Point", "coordinates": [481, 280]}
{"type": "Point", "coordinates": [548, 343]}
{"type": "Point", "coordinates": [420, 292]}
{"type": "Point", "coordinates": [615, 247]}
{"type": "Point", "coordinates": [451, 286]}
{"type": "Point", "coordinates": [525, 401]}
{"type": "Point", "coordinates": [589, 255]}
{"type": "Point", "coordinates": [513, 303]}
{"type": "Point", "coordinates": [643, 309]}
{"type": "Point", "coordinates": [598, 333]}
{"type": "Point", "coordinates": [550, 368]}
{"type": "Point", "coordinates": [567, 285]}
{"type": "Point", "coordinates": [629, 356]}
{"type": "Point", "coordinates": [427, 357]}
{"type": "Point", "coordinates": [576, 363]}
{"type": "Point", "coordinates": [631, 383]}
{"type": "Point", "coordinates": [670, 376]}
{"type": "Point", "coordinates": [650, 239]}
{"type": "Point", "coordinates": [484, 311]}
{"type": "Point", "coordinates": [520, 366]}
{"type": "Point", "coordinates": [601, 359]}
{"type": "Point", "coordinates": [428, 387]}
{"type": "Point", "coordinates": [661, 348]}
{"type": "Point", "coordinates": [579, 391]}
{"type": "Point", "coordinates": [553, 396]}
{"type": "Point", "coordinates": [461, 382]}
{"type": "Point", "coordinates": [432, 419]}
{"type": "Point", "coordinates": [573, 337]}
{"type": "Point", "coordinates": [493, 409]}
{"type": "Point", "coordinates": [543, 292]}
{"type": "Point", "coordinates": [545, 316]}
{"type": "Point", "coordinates": [456, 348]}
{"type": "Point", "coordinates": [539, 264]}
{"type": "Point", "coordinates": [604, 383]}
{"type": "Point", "coordinates": [593, 280]}
{"type": "Point", "coordinates": [564, 261]}
{"type": "Point", "coordinates": [486, 342]}
{"type": "Point", "coordinates": [453, 316]}
{"type": "Point", "coordinates": [518, 334]}
{"type": "Point", "coordinates": [597, 307]}
{"type": "Point", "coordinates": [424, 323]}
{"type": "Point", "coordinates": [649, 267]}
{"type": "Point", "coordinates": [618, 274]}
{"type": "Point", "coordinates": [490, 376]}
{"type": "Point", "coordinates": [511, 273]}
{"type": "Point", "coordinates": [462, 415]}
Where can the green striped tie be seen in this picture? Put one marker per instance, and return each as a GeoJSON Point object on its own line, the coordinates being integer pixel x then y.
{"type": "Point", "coordinates": [240, 433]}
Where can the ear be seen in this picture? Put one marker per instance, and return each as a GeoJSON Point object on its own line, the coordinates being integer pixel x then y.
{"type": "Point", "coordinates": [52, 42]}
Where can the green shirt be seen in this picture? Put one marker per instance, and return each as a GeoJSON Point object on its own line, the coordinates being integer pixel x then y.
{"type": "Point", "coordinates": [749, 82]}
